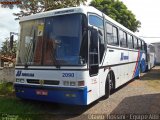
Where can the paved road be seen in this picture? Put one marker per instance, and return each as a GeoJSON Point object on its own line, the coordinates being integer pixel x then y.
{"type": "Point", "coordinates": [136, 97]}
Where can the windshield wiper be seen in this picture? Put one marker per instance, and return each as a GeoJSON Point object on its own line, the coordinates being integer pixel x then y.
{"type": "Point", "coordinates": [30, 49]}
{"type": "Point", "coordinates": [53, 48]}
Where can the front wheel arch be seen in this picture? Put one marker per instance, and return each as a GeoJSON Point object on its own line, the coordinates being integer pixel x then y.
{"type": "Point", "coordinates": [110, 83]}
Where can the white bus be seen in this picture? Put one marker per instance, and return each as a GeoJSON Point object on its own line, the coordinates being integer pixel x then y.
{"type": "Point", "coordinates": [150, 56]}
{"type": "Point", "coordinates": [75, 56]}
{"type": "Point", "coordinates": [157, 52]}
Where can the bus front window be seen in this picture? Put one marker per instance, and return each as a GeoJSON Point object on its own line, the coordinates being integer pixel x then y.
{"type": "Point", "coordinates": [57, 40]}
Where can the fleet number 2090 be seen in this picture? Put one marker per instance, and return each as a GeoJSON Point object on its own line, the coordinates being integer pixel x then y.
{"type": "Point", "coordinates": [67, 74]}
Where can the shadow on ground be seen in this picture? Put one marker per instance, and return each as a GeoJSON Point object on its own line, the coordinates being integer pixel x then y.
{"type": "Point", "coordinates": [153, 74]}
{"type": "Point", "coordinates": [143, 104]}
{"type": "Point", "coordinates": [59, 111]}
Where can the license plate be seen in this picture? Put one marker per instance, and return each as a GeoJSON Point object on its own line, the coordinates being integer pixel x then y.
{"type": "Point", "coordinates": [42, 92]}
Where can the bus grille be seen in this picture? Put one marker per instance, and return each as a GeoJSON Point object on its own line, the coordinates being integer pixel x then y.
{"type": "Point", "coordinates": [46, 82]}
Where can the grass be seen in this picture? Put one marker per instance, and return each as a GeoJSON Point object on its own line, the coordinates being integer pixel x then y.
{"type": "Point", "coordinates": [18, 108]}
{"type": "Point", "coordinates": [12, 107]}
{"type": "Point", "coordinates": [6, 89]}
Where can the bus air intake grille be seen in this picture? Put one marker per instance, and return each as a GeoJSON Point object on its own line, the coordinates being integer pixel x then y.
{"type": "Point", "coordinates": [45, 82]}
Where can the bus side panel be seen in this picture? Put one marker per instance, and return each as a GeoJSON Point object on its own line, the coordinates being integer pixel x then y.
{"type": "Point", "coordinates": [93, 90]}
{"type": "Point", "coordinates": [112, 61]}
{"type": "Point", "coordinates": [132, 60]}
{"type": "Point", "coordinates": [122, 68]}
{"type": "Point", "coordinates": [102, 78]}
{"type": "Point", "coordinates": [92, 83]}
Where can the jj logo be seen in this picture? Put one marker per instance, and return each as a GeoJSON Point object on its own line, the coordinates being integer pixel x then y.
{"type": "Point", "coordinates": [124, 57]}
{"type": "Point", "coordinates": [18, 73]}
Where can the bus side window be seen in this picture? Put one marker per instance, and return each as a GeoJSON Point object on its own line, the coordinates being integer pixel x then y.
{"type": "Point", "coordinates": [112, 35]}
{"type": "Point", "coordinates": [98, 22]}
{"type": "Point", "coordinates": [109, 33]}
{"type": "Point", "coordinates": [130, 41]}
{"type": "Point", "coordinates": [123, 38]}
{"type": "Point", "coordinates": [135, 43]}
{"type": "Point", "coordinates": [139, 44]}
{"type": "Point", "coordinates": [115, 36]}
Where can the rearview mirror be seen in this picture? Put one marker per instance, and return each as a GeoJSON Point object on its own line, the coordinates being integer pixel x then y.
{"type": "Point", "coordinates": [94, 39]}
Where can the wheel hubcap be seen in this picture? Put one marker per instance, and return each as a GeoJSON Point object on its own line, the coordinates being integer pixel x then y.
{"type": "Point", "coordinates": [110, 84]}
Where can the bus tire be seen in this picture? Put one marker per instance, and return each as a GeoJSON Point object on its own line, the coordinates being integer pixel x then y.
{"type": "Point", "coordinates": [108, 85]}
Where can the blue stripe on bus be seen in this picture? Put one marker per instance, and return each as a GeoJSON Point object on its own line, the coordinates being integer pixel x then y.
{"type": "Point", "coordinates": [140, 61]}
{"type": "Point", "coordinates": [143, 65]}
{"type": "Point", "coordinates": [65, 95]}
{"type": "Point", "coordinates": [136, 66]}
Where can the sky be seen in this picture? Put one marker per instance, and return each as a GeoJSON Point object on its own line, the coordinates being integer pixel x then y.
{"type": "Point", "coordinates": [7, 23]}
{"type": "Point", "coordinates": [146, 11]}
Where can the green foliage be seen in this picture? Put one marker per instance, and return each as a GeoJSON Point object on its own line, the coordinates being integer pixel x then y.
{"type": "Point", "coordinates": [29, 7]}
{"type": "Point", "coordinates": [6, 88]}
{"type": "Point", "coordinates": [6, 50]}
{"type": "Point", "coordinates": [17, 109]}
{"type": "Point", "coordinates": [11, 105]}
{"type": "Point", "coordinates": [119, 12]}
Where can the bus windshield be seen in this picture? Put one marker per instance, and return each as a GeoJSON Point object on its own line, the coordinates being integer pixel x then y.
{"type": "Point", "coordinates": [57, 40]}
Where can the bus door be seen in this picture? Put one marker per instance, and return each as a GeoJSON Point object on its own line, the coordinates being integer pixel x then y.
{"type": "Point", "coordinates": [93, 52]}
{"type": "Point", "coordinates": [94, 61]}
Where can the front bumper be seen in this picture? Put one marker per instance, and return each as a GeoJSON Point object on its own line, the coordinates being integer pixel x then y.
{"type": "Point", "coordinates": [75, 96]}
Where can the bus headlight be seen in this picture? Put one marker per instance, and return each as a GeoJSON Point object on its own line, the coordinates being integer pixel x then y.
{"type": "Point", "coordinates": [20, 80]}
{"type": "Point", "coordinates": [72, 83]}
{"type": "Point", "coordinates": [66, 83]}
{"type": "Point", "coordinates": [69, 83]}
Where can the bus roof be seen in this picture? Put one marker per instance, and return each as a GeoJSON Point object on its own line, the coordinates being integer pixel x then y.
{"type": "Point", "coordinates": [71, 10]}
{"type": "Point", "coordinates": [62, 11]}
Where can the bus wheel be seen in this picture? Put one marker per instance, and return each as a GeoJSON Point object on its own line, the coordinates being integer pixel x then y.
{"type": "Point", "coordinates": [109, 85]}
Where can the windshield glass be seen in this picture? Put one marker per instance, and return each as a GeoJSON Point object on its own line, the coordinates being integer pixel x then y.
{"type": "Point", "coordinates": [58, 40]}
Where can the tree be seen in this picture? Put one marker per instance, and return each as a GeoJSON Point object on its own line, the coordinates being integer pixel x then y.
{"type": "Point", "coordinates": [119, 12]}
{"type": "Point", "coordinates": [6, 50]}
{"type": "Point", "coordinates": [29, 7]}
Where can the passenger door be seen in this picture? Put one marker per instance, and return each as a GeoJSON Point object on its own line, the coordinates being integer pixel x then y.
{"type": "Point", "coordinates": [93, 52]}
{"type": "Point", "coordinates": [96, 51]}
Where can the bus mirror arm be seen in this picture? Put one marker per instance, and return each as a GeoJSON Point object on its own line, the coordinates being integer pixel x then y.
{"type": "Point", "coordinates": [95, 31]}
{"type": "Point", "coordinates": [100, 32]}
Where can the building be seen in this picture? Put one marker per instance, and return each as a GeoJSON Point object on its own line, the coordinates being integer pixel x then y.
{"type": "Point", "coordinates": [6, 61]}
